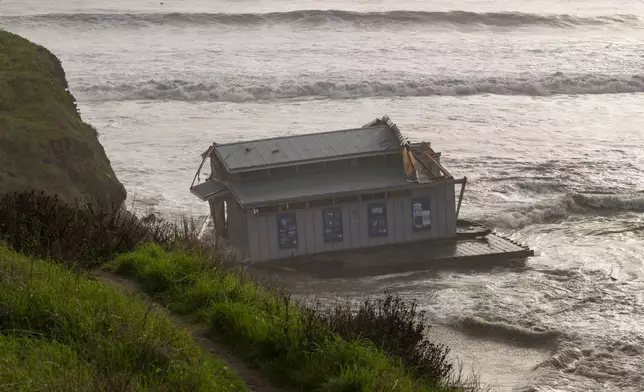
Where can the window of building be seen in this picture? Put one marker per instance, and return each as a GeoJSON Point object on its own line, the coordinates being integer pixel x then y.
{"type": "Point", "coordinates": [253, 175]}
{"type": "Point", "coordinates": [332, 218]}
{"type": "Point", "coordinates": [338, 164]}
{"type": "Point", "coordinates": [347, 199]}
{"type": "Point", "coordinates": [283, 172]}
{"type": "Point", "coordinates": [287, 231]}
{"type": "Point", "coordinates": [365, 161]}
{"type": "Point", "coordinates": [377, 213]}
{"type": "Point", "coordinates": [267, 209]}
{"type": "Point", "coordinates": [293, 206]}
{"type": "Point", "coordinates": [320, 203]}
{"type": "Point", "coordinates": [374, 196]}
{"type": "Point", "coordinates": [399, 194]}
{"type": "Point", "coordinates": [421, 214]}
{"type": "Point", "coordinates": [312, 168]}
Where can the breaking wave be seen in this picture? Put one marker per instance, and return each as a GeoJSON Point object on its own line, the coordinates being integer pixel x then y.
{"type": "Point", "coordinates": [560, 207]}
{"type": "Point", "coordinates": [321, 17]}
{"type": "Point", "coordinates": [212, 91]}
{"type": "Point", "coordinates": [478, 326]}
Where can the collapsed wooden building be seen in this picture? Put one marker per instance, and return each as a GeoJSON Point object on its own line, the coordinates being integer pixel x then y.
{"type": "Point", "coordinates": [308, 194]}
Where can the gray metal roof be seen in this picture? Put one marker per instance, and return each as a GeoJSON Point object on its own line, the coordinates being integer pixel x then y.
{"type": "Point", "coordinates": [209, 189]}
{"type": "Point", "coordinates": [255, 154]}
{"type": "Point", "coordinates": [255, 193]}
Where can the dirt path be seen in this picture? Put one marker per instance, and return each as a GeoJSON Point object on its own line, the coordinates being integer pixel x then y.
{"type": "Point", "coordinates": [253, 378]}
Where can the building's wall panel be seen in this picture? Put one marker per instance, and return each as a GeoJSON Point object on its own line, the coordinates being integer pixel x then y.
{"type": "Point", "coordinates": [263, 238]}
{"type": "Point", "coordinates": [354, 218]}
{"type": "Point", "coordinates": [305, 219]}
{"type": "Point", "coordinates": [254, 248]}
{"type": "Point", "coordinates": [437, 196]}
{"type": "Point", "coordinates": [346, 227]}
{"type": "Point", "coordinates": [450, 208]}
{"type": "Point", "coordinates": [237, 226]}
{"type": "Point", "coordinates": [400, 234]}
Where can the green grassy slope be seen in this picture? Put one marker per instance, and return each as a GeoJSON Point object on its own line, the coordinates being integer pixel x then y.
{"type": "Point", "coordinates": [63, 332]}
{"type": "Point", "coordinates": [44, 144]}
{"type": "Point", "coordinates": [291, 346]}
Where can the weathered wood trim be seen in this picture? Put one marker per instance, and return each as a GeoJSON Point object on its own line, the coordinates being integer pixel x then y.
{"type": "Point", "coordinates": [352, 193]}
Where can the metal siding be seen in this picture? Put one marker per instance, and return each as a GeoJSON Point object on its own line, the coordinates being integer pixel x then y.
{"type": "Point", "coordinates": [308, 147]}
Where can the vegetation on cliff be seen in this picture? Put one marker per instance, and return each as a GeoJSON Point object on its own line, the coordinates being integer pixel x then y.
{"type": "Point", "coordinates": [291, 343]}
{"type": "Point", "coordinates": [44, 143]}
{"type": "Point", "coordinates": [379, 347]}
{"type": "Point", "coordinates": [64, 332]}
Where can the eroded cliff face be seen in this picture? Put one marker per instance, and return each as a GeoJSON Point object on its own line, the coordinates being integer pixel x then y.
{"type": "Point", "coordinates": [44, 143]}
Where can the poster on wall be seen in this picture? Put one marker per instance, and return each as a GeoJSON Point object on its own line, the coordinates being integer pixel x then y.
{"type": "Point", "coordinates": [354, 216]}
{"type": "Point", "coordinates": [287, 231]}
{"type": "Point", "coordinates": [332, 218]}
{"type": "Point", "coordinates": [421, 214]}
{"type": "Point", "coordinates": [378, 220]}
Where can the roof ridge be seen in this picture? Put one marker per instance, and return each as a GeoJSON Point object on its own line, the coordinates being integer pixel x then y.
{"type": "Point", "coordinates": [302, 135]}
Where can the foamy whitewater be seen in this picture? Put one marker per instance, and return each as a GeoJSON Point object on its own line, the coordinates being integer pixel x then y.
{"type": "Point", "coordinates": [539, 103]}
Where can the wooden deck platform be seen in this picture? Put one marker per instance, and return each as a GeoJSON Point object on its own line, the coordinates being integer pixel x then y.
{"type": "Point", "coordinates": [472, 249]}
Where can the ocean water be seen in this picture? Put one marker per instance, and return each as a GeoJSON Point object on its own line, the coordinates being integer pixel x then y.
{"type": "Point", "coordinates": [539, 103]}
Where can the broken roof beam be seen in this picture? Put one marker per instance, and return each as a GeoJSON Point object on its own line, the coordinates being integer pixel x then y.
{"type": "Point", "coordinates": [427, 151]}
{"type": "Point", "coordinates": [404, 142]}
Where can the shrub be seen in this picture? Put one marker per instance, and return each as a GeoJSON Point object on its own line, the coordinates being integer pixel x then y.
{"type": "Point", "coordinates": [83, 235]}
{"type": "Point", "coordinates": [394, 325]}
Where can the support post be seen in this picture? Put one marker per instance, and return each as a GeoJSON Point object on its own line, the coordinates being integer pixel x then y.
{"type": "Point", "coordinates": [205, 156]}
{"type": "Point", "coordinates": [460, 198]}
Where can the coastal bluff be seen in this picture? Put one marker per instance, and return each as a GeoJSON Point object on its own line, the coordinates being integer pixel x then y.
{"type": "Point", "coordinates": [44, 143]}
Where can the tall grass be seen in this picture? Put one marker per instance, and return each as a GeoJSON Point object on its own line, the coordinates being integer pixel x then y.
{"type": "Point", "coordinates": [64, 332]}
{"type": "Point", "coordinates": [395, 325]}
{"type": "Point", "coordinates": [298, 347]}
{"type": "Point", "coordinates": [84, 235]}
